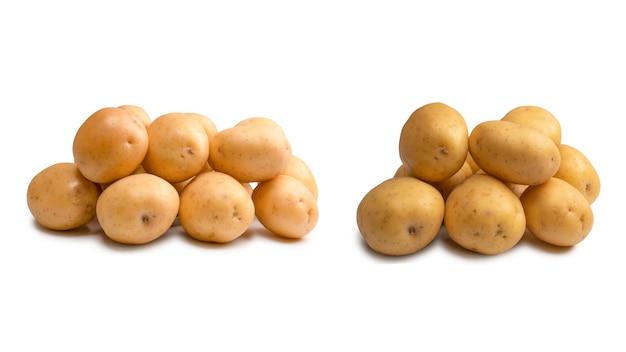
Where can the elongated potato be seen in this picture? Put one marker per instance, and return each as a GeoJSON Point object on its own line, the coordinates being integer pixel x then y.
{"type": "Point", "coordinates": [578, 171]}
{"type": "Point", "coordinates": [513, 152]}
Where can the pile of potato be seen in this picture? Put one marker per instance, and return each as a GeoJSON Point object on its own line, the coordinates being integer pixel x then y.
{"type": "Point", "coordinates": [136, 176]}
{"type": "Point", "coordinates": [486, 187]}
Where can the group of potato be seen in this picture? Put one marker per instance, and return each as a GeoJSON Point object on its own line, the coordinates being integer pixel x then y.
{"type": "Point", "coordinates": [487, 186]}
{"type": "Point", "coordinates": [136, 176]}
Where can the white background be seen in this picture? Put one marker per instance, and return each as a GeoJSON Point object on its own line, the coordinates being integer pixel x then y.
{"type": "Point", "coordinates": [341, 78]}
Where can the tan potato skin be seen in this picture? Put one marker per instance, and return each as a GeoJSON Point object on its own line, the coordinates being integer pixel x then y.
{"type": "Point", "coordinates": [139, 113]}
{"type": "Point", "coordinates": [557, 213]}
{"type": "Point", "coordinates": [299, 169]}
{"type": "Point", "coordinates": [285, 206]}
{"type": "Point", "coordinates": [178, 147]}
{"type": "Point", "coordinates": [483, 215]}
{"type": "Point", "coordinates": [578, 171]}
{"type": "Point", "coordinates": [110, 144]}
{"type": "Point", "coordinates": [250, 153]}
{"type": "Point", "coordinates": [433, 142]}
{"type": "Point", "coordinates": [514, 153]}
{"type": "Point", "coordinates": [400, 216]}
{"type": "Point", "coordinates": [538, 118]}
{"type": "Point", "coordinates": [60, 198]}
{"type": "Point", "coordinates": [209, 126]}
{"type": "Point", "coordinates": [446, 186]}
{"type": "Point", "coordinates": [214, 207]}
{"type": "Point", "coordinates": [137, 209]}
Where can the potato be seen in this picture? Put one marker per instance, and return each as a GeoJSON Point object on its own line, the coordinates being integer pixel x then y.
{"type": "Point", "coordinates": [446, 186]}
{"type": "Point", "coordinates": [137, 209]}
{"type": "Point", "coordinates": [178, 147]}
{"type": "Point", "coordinates": [285, 206]}
{"type": "Point", "coordinates": [60, 198]}
{"type": "Point", "coordinates": [402, 171]}
{"type": "Point", "coordinates": [215, 207]}
{"type": "Point", "coordinates": [578, 171]}
{"type": "Point", "coordinates": [513, 152]}
{"type": "Point", "coordinates": [300, 170]}
{"type": "Point", "coordinates": [433, 142]}
{"type": "Point", "coordinates": [139, 113]}
{"type": "Point", "coordinates": [400, 216]}
{"type": "Point", "coordinates": [209, 126]}
{"type": "Point", "coordinates": [250, 153]}
{"type": "Point", "coordinates": [110, 144]}
{"type": "Point", "coordinates": [557, 213]}
{"type": "Point", "coordinates": [538, 118]}
{"type": "Point", "coordinates": [484, 216]}
{"type": "Point", "coordinates": [471, 161]}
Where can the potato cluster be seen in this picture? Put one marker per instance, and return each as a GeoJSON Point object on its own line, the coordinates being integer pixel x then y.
{"type": "Point", "coordinates": [137, 176]}
{"type": "Point", "coordinates": [486, 187]}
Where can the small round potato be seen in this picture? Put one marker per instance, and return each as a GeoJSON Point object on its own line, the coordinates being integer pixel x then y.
{"type": "Point", "coordinates": [300, 170]}
{"type": "Point", "coordinates": [483, 215]}
{"type": "Point", "coordinates": [513, 152]}
{"type": "Point", "coordinates": [557, 213]}
{"type": "Point", "coordinates": [137, 209]}
{"type": "Point", "coordinates": [139, 113]}
{"type": "Point", "coordinates": [538, 118]}
{"type": "Point", "coordinates": [400, 216]}
{"type": "Point", "coordinates": [433, 142]}
{"type": "Point", "coordinates": [60, 198]}
{"type": "Point", "coordinates": [110, 144]}
{"type": "Point", "coordinates": [285, 206]}
{"type": "Point", "coordinates": [578, 171]}
{"type": "Point", "coordinates": [250, 153]}
{"type": "Point", "coordinates": [178, 147]}
{"type": "Point", "coordinates": [214, 207]}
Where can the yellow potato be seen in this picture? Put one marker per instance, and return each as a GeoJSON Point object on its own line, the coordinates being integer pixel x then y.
{"type": "Point", "coordinates": [483, 215]}
{"type": "Point", "coordinates": [209, 126]}
{"type": "Point", "coordinates": [60, 198]}
{"type": "Point", "coordinates": [250, 153]}
{"type": "Point", "coordinates": [433, 142]}
{"type": "Point", "coordinates": [110, 144]}
{"type": "Point", "coordinates": [139, 113]}
{"type": "Point", "coordinates": [178, 147]}
{"type": "Point", "coordinates": [513, 152]}
{"type": "Point", "coordinates": [400, 216]}
{"type": "Point", "coordinates": [402, 171]}
{"type": "Point", "coordinates": [300, 170]}
{"type": "Point", "coordinates": [446, 186]}
{"type": "Point", "coordinates": [578, 171]}
{"type": "Point", "coordinates": [538, 118]}
{"type": "Point", "coordinates": [137, 209]}
{"type": "Point", "coordinates": [557, 213]}
{"type": "Point", "coordinates": [285, 206]}
{"type": "Point", "coordinates": [214, 207]}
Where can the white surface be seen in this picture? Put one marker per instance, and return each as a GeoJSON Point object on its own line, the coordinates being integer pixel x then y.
{"type": "Point", "coordinates": [341, 78]}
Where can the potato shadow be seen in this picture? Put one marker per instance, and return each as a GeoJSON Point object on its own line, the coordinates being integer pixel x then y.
{"type": "Point", "coordinates": [531, 240]}
{"type": "Point", "coordinates": [91, 228]}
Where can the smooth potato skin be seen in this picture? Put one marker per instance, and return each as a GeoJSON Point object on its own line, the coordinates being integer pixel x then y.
{"type": "Point", "coordinates": [214, 207]}
{"type": "Point", "coordinates": [557, 213]}
{"type": "Point", "coordinates": [285, 206]}
{"type": "Point", "coordinates": [538, 118]}
{"type": "Point", "coordinates": [400, 215]}
{"type": "Point", "coordinates": [433, 142]}
{"type": "Point", "coordinates": [299, 169]}
{"type": "Point", "coordinates": [60, 198]}
{"type": "Point", "coordinates": [110, 144]}
{"type": "Point", "coordinates": [137, 209]}
{"type": "Point", "coordinates": [578, 171]}
{"type": "Point", "coordinates": [514, 153]}
{"type": "Point", "coordinates": [483, 215]}
{"type": "Point", "coordinates": [250, 152]}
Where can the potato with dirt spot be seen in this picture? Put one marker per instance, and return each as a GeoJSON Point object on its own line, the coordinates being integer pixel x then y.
{"type": "Point", "coordinates": [60, 198]}
{"type": "Point", "coordinates": [433, 142]}
{"type": "Point", "coordinates": [484, 216]}
{"type": "Point", "coordinates": [557, 213]}
{"type": "Point", "coordinates": [137, 209]}
{"type": "Point", "coordinates": [400, 216]}
{"type": "Point", "coordinates": [110, 144]}
{"type": "Point", "coordinates": [513, 152]}
{"type": "Point", "coordinates": [215, 207]}
{"type": "Point", "coordinates": [285, 206]}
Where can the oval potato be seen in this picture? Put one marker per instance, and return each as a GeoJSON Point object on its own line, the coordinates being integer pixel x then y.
{"type": "Point", "coordinates": [433, 142]}
{"type": "Point", "coordinates": [514, 153]}
{"type": "Point", "coordinates": [538, 118]}
{"type": "Point", "coordinates": [578, 171]}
